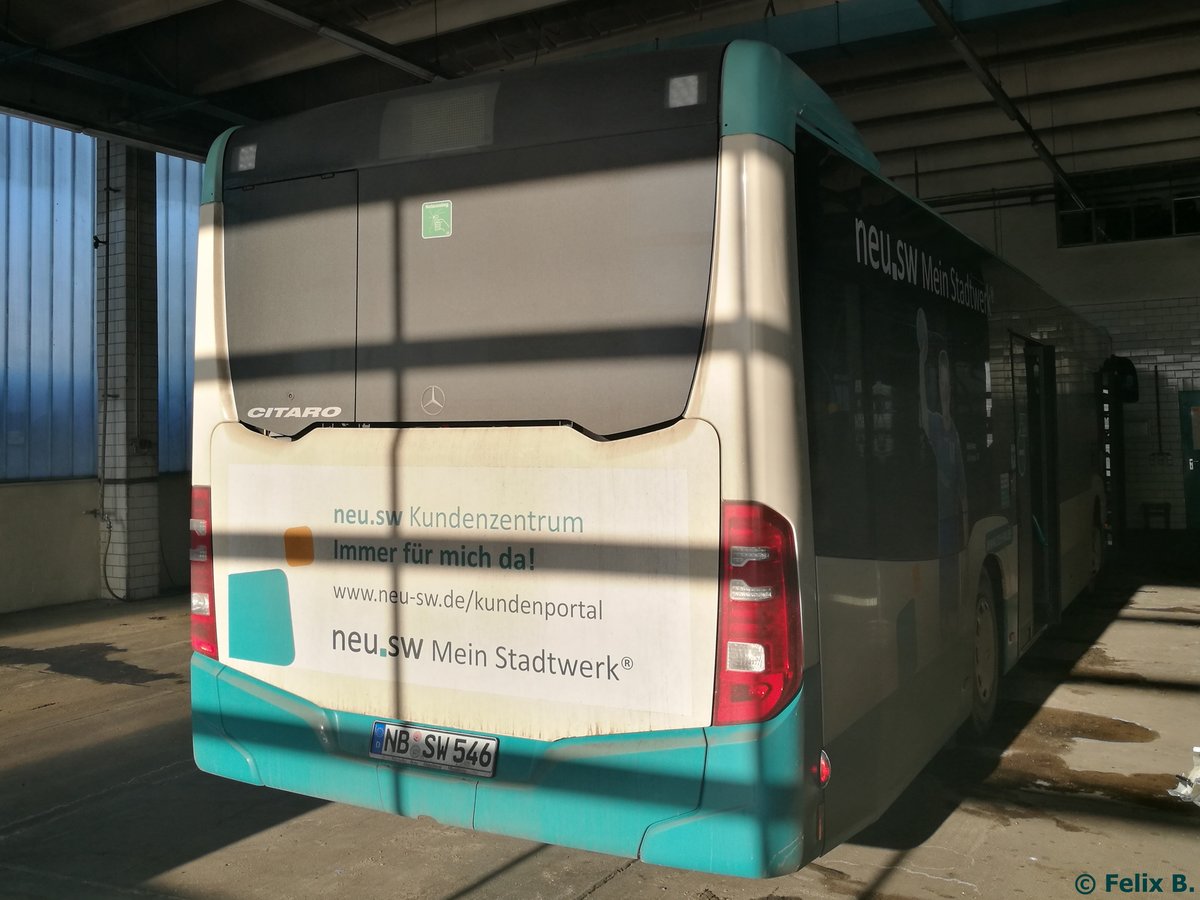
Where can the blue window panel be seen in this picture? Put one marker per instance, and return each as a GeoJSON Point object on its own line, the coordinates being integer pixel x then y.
{"type": "Point", "coordinates": [82, 309]}
{"type": "Point", "coordinates": [41, 281]}
{"type": "Point", "coordinates": [47, 332]}
{"type": "Point", "coordinates": [179, 182]}
{"type": "Point", "coordinates": [18, 171]}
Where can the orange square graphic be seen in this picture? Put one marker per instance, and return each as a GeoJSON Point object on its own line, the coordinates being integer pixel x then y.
{"type": "Point", "coordinates": [298, 546]}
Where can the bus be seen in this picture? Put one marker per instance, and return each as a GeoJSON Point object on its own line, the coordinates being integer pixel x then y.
{"type": "Point", "coordinates": [607, 455]}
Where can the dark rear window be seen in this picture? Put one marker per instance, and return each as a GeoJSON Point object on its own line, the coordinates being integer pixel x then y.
{"type": "Point", "coordinates": [530, 248]}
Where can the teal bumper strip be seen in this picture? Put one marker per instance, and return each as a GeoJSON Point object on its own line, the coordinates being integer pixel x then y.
{"type": "Point", "coordinates": [723, 800]}
{"type": "Point", "coordinates": [214, 749]}
{"type": "Point", "coordinates": [599, 793]}
{"type": "Point", "coordinates": [750, 820]}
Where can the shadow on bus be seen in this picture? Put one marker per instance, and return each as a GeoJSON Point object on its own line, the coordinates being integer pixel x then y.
{"type": "Point", "coordinates": [1020, 769]}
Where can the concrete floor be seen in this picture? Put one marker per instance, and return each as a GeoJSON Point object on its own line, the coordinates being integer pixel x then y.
{"type": "Point", "coordinates": [99, 797]}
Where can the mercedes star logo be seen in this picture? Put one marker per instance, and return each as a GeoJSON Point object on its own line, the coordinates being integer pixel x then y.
{"type": "Point", "coordinates": [433, 401]}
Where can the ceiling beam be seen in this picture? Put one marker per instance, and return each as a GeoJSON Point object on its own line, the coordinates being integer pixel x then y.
{"type": "Point", "coordinates": [357, 41]}
{"type": "Point", "coordinates": [950, 31]}
{"type": "Point", "coordinates": [116, 16]}
{"type": "Point", "coordinates": [404, 26]}
{"type": "Point", "coordinates": [853, 75]}
{"type": "Point", "coordinates": [18, 54]}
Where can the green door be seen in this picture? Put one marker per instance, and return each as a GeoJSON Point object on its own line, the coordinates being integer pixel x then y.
{"type": "Point", "coordinates": [1189, 415]}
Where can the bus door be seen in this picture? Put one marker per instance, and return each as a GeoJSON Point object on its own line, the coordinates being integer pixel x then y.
{"type": "Point", "coordinates": [1037, 485]}
{"type": "Point", "coordinates": [1189, 414]}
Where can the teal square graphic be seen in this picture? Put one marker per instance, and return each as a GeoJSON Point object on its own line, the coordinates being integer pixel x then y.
{"type": "Point", "coordinates": [260, 618]}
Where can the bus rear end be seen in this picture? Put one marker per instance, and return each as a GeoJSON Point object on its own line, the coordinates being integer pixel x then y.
{"type": "Point", "coordinates": [498, 513]}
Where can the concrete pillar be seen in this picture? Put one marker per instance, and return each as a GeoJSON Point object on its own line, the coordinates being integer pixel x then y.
{"type": "Point", "coordinates": [127, 370]}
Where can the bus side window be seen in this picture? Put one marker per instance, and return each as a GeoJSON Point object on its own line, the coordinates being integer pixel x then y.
{"type": "Point", "coordinates": [904, 479]}
{"type": "Point", "coordinates": [838, 411]}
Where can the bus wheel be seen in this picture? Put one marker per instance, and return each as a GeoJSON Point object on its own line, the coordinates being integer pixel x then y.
{"type": "Point", "coordinates": [986, 677]}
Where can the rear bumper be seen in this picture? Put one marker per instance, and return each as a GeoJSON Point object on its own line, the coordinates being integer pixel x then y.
{"type": "Point", "coordinates": [732, 800]}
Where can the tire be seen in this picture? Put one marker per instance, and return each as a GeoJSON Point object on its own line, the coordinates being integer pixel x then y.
{"type": "Point", "coordinates": [985, 678]}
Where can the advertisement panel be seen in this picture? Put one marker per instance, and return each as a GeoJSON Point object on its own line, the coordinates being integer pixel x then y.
{"type": "Point", "coordinates": [518, 581]}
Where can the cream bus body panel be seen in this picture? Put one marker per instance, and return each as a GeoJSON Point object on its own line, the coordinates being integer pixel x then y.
{"type": "Point", "coordinates": [213, 391]}
{"type": "Point", "coordinates": [750, 381]}
{"type": "Point", "coordinates": [1080, 517]}
{"type": "Point", "coordinates": [750, 385]}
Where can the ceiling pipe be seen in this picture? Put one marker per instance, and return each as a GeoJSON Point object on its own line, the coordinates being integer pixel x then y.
{"type": "Point", "coordinates": [359, 41]}
{"type": "Point", "coordinates": [949, 30]}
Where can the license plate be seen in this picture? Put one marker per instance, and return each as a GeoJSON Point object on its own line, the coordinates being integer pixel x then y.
{"type": "Point", "coordinates": [434, 749]}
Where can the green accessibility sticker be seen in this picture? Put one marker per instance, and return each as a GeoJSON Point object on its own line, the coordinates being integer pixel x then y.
{"type": "Point", "coordinates": [437, 219]}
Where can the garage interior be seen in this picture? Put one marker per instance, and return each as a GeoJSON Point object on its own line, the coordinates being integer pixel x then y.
{"type": "Point", "coordinates": [1000, 115]}
{"type": "Point", "coordinates": [1062, 134]}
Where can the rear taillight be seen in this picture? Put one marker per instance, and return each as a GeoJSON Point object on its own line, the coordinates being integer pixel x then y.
{"type": "Point", "coordinates": [204, 615]}
{"type": "Point", "coordinates": [758, 630]}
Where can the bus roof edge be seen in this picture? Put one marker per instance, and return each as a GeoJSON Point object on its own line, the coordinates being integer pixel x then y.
{"type": "Point", "coordinates": [213, 166]}
{"type": "Point", "coordinates": [764, 92]}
